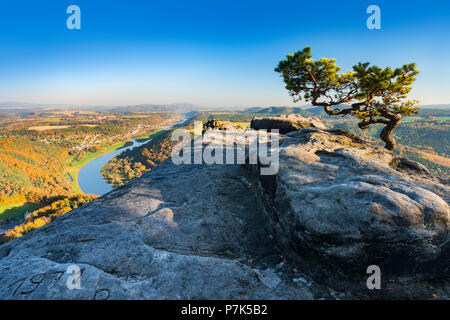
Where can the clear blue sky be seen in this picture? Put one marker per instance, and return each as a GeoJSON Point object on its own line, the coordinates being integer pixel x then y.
{"type": "Point", "coordinates": [213, 53]}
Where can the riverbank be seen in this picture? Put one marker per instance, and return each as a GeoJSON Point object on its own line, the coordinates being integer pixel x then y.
{"type": "Point", "coordinates": [16, 211]}
{"type": "Point", "coordinates": [131, 164]}
{"type": "Point", "coordinates": [151, 135]}
{"type": "Point", "coordinates": [74, 167]}
{"type": "Point", "coordinates": [88, 178]}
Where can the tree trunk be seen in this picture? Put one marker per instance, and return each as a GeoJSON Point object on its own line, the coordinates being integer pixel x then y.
{"type": "Point", "coordinates": [385, 134]}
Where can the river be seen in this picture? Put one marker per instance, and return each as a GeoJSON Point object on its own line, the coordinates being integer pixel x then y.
{"type": "Point", "coordinates": [91, 180]}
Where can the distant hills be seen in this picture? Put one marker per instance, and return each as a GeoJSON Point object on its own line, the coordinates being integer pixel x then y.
{"type": "Point", "coordinates": [155, 107]}
{"type": "Point", "coordinates": [436, 106]}
{"type": "Point", "coordinates": [310, 111]}
{"type": "Point", "coordinates": [305, 110]}
{"type": "Point", "coordinates": [17, 108]}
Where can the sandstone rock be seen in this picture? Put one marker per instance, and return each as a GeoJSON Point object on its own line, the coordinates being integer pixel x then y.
{"type": "Point", "coordinates": [338, 205]}
{"type": "Point", "coordinates": [286, 124]}
{"type": "Point", "coordinates": [179, 232]}
{"type": "Point", "coordinates": [217, 124]}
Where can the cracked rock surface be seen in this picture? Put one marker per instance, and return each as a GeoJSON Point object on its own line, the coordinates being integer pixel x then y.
{"type": "Point", "coordinates": [339, 205]}
{"type": "Point", "coordinates": [179, 232]}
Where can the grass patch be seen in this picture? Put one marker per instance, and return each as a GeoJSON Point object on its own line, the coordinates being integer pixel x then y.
{"type": "Point", "coordinates": [16, 211]}
{"type": "Point", "coordinates": [150, 136]}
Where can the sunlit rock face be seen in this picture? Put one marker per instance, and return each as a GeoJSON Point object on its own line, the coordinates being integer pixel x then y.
{"type": "Point", "coordinates": [217, 124]}
{"type": "Point", "coordinates": [286, 124]}
{"type": "Point", "coordinates": [338, 205]}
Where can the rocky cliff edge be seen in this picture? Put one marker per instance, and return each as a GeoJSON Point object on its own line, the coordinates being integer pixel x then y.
{"type": "Point", "coordinates": [336, 205]}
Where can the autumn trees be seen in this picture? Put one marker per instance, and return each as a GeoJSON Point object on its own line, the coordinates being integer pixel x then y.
{"type": "Point", "coordinates": [372, 94]}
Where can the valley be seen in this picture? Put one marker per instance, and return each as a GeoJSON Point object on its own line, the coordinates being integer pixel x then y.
{"type": "Point", "coordinates": [42, 151]}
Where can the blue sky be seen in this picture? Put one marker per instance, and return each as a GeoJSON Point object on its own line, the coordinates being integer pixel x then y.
{"type": "Point", "coordinates": [211, 53]}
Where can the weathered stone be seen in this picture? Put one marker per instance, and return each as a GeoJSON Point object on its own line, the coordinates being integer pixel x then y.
{"type": "Point", "coordinates": [286, 124]}
{"type": "Point", "coordinates": [338, 205]}
{"type": "Point", "coordinates": [179, 232]}
{"type": "Point", "coordinates": [217, 124]}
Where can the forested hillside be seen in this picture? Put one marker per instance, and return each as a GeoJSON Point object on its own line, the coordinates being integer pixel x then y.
{"type": "Point", "coordinates": [40, 152]}
{"type": "Point", "coordinates": [45, 215]}
{"type": "Point", "coordinates": [131, 164]}
{"type": "Point", "coordinates": [31, 170]}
